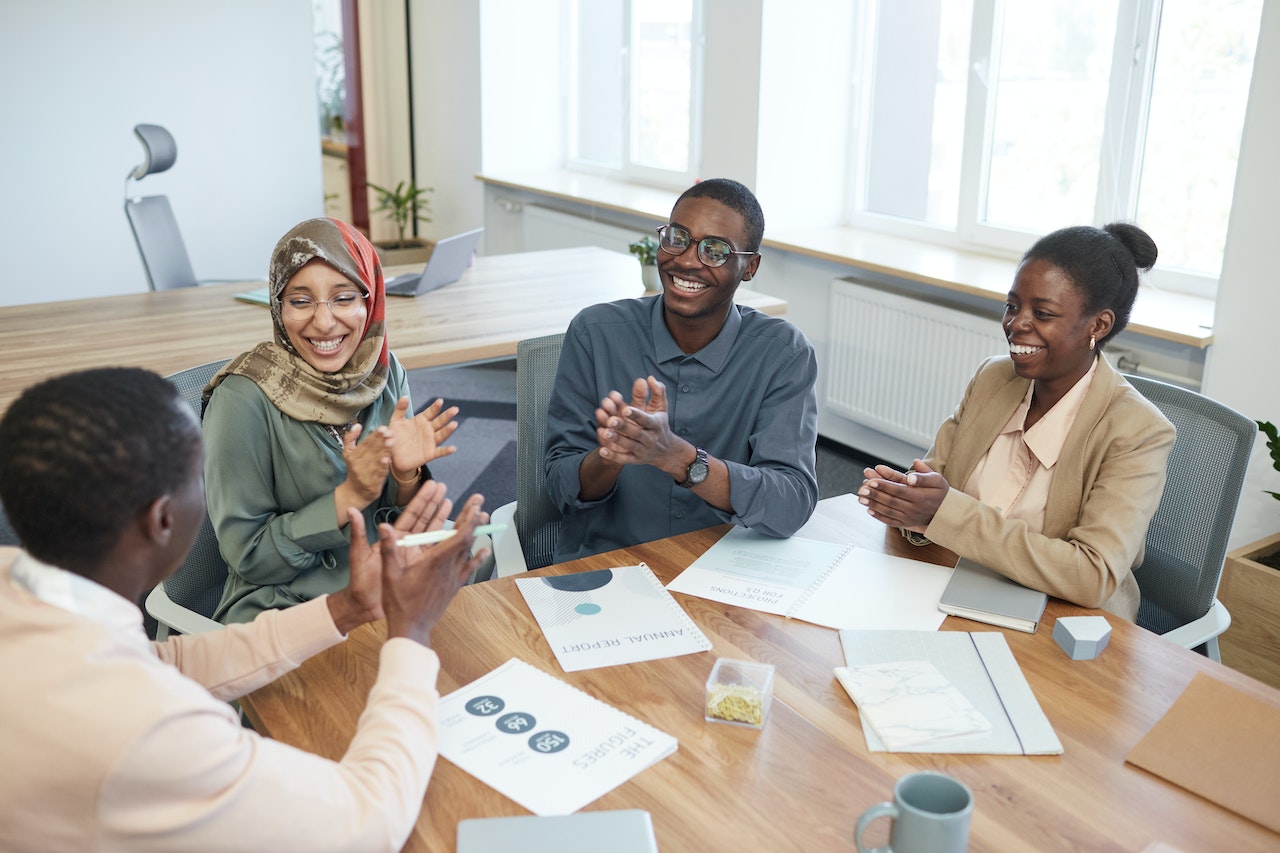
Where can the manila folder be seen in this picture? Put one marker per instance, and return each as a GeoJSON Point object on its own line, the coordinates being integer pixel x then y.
{"type": "Point", "coordinates": [1219, 742]}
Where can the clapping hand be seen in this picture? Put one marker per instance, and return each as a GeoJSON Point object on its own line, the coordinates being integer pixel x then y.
{"type": "Point", "coordinates": [419, 439]}
{"type": "Point", "coordinates": [367, 463]}
{"type": "Point", "coordinates": [907, 499]}
{"type": "Point", "coordinates": [637, 432]}
{"type": "Point", "coordinates": [361, 601]}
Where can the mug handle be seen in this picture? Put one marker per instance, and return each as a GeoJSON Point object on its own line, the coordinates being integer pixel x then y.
{"type": "Point", "coordinates": [879, 810]}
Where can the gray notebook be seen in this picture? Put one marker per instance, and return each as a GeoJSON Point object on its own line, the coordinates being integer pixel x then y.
{"type": "Point", "coordinates": [976, 592]}
{"type": "Point", "coordinates": [625, 831]}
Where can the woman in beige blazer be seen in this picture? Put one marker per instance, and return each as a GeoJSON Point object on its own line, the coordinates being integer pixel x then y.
{"type": "Point", "coordinates": [1058, 462]}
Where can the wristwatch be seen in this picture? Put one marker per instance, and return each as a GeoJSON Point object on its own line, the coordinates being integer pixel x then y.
{"type": "Point", "coordinates": [697, 471]}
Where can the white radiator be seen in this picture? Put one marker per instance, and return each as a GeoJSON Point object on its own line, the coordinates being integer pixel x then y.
{"type": "Point", "coordinates": [899, 365]}
{"type": "Point", "coordinates": [545, 228]}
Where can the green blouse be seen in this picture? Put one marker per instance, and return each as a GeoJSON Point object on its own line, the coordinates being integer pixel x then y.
{"type": "Point", "coordinates": [269, 483]}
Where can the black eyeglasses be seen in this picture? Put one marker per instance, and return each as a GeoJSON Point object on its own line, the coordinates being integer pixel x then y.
{"type": "Point", "coordinates": [712, 251]}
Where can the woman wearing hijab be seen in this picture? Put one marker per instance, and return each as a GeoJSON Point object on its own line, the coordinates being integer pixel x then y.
{"type": "Point", "coordinates": [317, 421]}
{"type": "Point", "coordinates": [1052, 466]}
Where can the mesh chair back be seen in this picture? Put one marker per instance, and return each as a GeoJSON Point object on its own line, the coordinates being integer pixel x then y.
{"type": "Point", "coordinates": [537, 518]}
{"type": "Point", "coordinates": [164, 255]}
{"type": "Point", "coordinates": [1187, 540]}
{"type": "Point", "coordinates": [198, 582]}
{"type": "Point", "coordinates": [7, 536]}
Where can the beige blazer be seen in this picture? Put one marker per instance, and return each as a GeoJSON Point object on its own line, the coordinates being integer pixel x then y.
{"type": "Point", "coordinates": [1106, 487]}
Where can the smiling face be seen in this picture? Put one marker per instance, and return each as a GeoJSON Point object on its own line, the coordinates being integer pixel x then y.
{"type": "Point", "coordinates": [691, 289]}
{"type": "Point", "coordinates": [324, 341]}
{"type": "Point", "coordinates": [1047, 326]}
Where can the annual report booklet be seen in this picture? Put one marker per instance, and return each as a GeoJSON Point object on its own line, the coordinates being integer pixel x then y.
{"type": "Point", "coordinates": [981, 702]}
{"type": "Point", "coordinates": [978, 593]}
{"type": "Point", "coordinates": [545, 744]}
{"type": "Point", "coordinates": [827, 583]}
{"type": "Point", "coordinates": [610, 616]}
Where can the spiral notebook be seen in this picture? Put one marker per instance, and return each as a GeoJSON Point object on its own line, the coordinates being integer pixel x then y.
{"type": "Point", "coordinates": [545, 744]}
{"type": "Point", "coordinates": [827, 583]}
{"type": "Point", "coordinates": [610, 616]}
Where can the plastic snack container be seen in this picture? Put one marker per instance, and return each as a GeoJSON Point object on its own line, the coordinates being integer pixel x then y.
{"type": "Point", "coordinates": [739, 692]}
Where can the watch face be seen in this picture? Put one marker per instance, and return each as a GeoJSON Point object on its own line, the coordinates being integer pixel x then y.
{"type": "Point", "coordinates": [697, 473]}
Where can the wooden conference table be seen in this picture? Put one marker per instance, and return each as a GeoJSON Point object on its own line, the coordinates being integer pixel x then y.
{"type": "Point", "coordinates": [801, 783]}
{"type": "Point", "coordinates": [500, 301]}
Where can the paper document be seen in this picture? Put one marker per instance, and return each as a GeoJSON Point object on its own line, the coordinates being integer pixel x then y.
{"type": "Point", "coordinates": [910, 703]}
{"type": "Point", "coordinates": [610, 616]}
{"type": "Point", "coordinates": [981, 668]}
{"type": "Point", "coordinates": [827, 583]}
{"type": "Point", "coordinates": [548, 746]}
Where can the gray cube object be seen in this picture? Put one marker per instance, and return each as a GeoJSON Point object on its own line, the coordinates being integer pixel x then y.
{"type": "Point", "coordinates": [1082, 637]}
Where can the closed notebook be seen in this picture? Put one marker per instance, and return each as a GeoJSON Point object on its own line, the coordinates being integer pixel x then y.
{"type": "Point", "coordinates": [978, 593]}
{"type": "Point", "coordinates": [625, 831]}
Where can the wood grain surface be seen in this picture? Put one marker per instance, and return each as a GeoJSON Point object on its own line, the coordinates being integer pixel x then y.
{"type": "Point", "coordinates": [801, 783]}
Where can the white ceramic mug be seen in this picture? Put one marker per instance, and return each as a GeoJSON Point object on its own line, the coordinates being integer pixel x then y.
{"type": "Point", "coordinates": [930, 814]}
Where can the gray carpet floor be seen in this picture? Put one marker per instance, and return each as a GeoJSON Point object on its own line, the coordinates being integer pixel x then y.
{"type": "Point", "coordinates": [485, 461]}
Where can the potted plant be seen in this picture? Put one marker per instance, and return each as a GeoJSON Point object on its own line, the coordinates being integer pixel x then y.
{"type": "Point", "coordinates": [1250, 590]}
{"type": "Point", "coordinates": [403, 205]}
{"type": "Point", "coordinates": [646, 250]}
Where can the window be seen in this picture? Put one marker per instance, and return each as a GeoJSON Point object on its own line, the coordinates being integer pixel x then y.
{"type": "Point", "coordinates": [635, 88]}
{"type": "Point", "coordinates": [987, 123]}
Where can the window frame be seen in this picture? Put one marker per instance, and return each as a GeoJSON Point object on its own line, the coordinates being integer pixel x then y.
{"type": "Point", "coordinates": [630, 171]}
{"type": "Point", "coordinates": [1133, 59]}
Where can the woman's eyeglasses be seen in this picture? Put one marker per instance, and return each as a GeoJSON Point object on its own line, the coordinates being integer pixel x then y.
{"type": "Point", "coordinates": [343, 305]}
{"type": "Point", "coordinates": [712, 251]}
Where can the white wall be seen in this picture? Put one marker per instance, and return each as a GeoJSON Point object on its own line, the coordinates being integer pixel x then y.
{"type": "Point", "coordinates": [233, 81]}
{"type": "Point", "coordinates": [1242, 370]}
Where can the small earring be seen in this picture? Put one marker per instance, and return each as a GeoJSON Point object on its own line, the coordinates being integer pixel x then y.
{"type": "Point", "coordinates": [1093, 339]}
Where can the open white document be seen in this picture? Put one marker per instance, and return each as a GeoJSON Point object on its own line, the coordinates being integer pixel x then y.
{"type": "Point", "coordinates": [827, 583]}
{"type": "Point", "coordinates": [610, 616]}
{"type": "Point", "coordinates": [978, 666]}
{"type": "Point", "coordinates": [545, 744]}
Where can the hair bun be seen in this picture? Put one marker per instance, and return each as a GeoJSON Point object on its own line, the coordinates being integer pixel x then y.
{"type": "Point", "coordinates": [1137, 241]}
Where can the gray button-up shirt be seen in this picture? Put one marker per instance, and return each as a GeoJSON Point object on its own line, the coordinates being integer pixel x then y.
{"type": "Point", "coordinates": [747, 398]}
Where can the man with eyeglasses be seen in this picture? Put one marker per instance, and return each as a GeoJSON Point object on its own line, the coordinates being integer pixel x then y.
{"type": "Point", "coordinates": [682, 410]}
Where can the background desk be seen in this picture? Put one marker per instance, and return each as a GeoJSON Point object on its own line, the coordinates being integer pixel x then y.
{"type": "Point", "coordinates": [500, 301]}
{"type": "Point", "coordinates": [801, 782]}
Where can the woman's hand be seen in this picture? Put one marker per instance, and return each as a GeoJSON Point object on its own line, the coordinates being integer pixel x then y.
{"type": "Point", "coordinates": [367, 464]}
{"type": "Point", "coordinates": [903, 499]}
{"type": "Point", "coordinates": [417, 440]}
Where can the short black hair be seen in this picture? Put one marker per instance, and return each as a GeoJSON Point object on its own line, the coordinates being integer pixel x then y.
{"type": "Point", "coordinates": [1102, 262]}
{"type": "Point", "coordinates": [737, 197]}
{"type": "Point", "coordinates": [82, 453]}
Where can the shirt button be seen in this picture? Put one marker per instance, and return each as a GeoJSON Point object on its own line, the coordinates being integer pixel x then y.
{"type": "Point", "coordinates": [679, 515]}
{"type": "Point", "coordinates": [684, 388]}
{"type": "Point", "coordinates": [684, 430]}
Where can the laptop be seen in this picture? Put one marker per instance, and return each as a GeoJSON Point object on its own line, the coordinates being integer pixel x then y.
{"type": "Point", "coordinates": [448, 261]}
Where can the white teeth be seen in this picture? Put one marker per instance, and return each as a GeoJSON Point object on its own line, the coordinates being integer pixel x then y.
{"type": "Point", "coordinates": [327, 346]}
{"type": "Point", "coordinates": [689, 286]}
{"type": "Point", "coordinates": [1017, 349]}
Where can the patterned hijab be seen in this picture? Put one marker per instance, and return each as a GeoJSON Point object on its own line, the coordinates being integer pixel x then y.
{"type": "Point", "coordinates": [294, 386]}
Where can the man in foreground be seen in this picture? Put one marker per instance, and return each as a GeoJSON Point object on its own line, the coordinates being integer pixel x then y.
{"type": "Point", "coordinates": [113, 742]}
{"type": "Point", "coordinates": [720, 421]}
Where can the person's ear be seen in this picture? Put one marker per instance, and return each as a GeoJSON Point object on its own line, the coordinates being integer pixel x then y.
{"type": "Point", "coordinates": [753, 264]}
{"type": "Point", "coordinates": [1102, 323]}
{"type": "Point", "coordinates": [157, 520]}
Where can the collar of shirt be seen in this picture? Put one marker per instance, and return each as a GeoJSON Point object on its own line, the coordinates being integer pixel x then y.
{"type": "Point", "coordinates": [71, 592]}
{"type": "Point", "coordinates": [1046, 438]}
{"type": "Point", "coordinates": [713, 356]}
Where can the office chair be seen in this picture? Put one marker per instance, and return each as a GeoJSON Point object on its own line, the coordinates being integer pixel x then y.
{"type": "Point", "coordinates": [7, 536]}
{"type": "Point", "coordinates": [533, 521]}
{"type": "Point", "coordinates": [1187, 540]}
{"type": "Point", "coordinates": [185, 601]}
{"type": "Point", "coordinates": [155, 230]}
